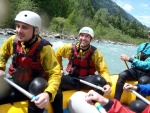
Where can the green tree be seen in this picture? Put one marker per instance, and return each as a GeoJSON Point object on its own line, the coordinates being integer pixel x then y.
{"type": "Point", "coordinates": [16, 6]}
{"type": "Point", "coordinates": [101, 17]}
{"type": "Point", "coordinates": [57, 24]}
{"type": "Point", "coordinates": [54, 8]}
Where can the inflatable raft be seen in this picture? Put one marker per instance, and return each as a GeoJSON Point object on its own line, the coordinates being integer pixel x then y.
{"type": "Point", "coordinates": [21, 107]}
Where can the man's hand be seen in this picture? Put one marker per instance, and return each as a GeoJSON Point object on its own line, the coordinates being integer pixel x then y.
{"type": "Point", "coordinates": [128, 87]}
{"type": "Point", "coordinates": [124, 57]}
{"type": "Point", "coordinates": [107, 89]}
{"type": "Point", "coordinates": [94, 96]}
{"type": "Point", "coordinates": [43, 100]}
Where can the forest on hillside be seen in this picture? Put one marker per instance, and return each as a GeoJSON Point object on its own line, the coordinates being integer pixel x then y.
{"type": "Point", "coordinates": [68, 16]}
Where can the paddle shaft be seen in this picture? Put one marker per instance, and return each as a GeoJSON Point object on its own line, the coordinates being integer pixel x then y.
{"type": "Point", "coordinates": [100, 108]}
{"type": "Point", "coordinates": [29, 95]}
{"type": "Point", "coordinates": [126, 64]}
{"type": "Point", "coordinates": [89, 84]}
{"type": "Point", "coordinates": [141, 97]}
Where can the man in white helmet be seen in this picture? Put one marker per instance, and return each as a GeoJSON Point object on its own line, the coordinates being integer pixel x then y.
{"type": "Point", "coordinates": [84, 61]}
{"type": "Point", "coordinates": [34, 66]}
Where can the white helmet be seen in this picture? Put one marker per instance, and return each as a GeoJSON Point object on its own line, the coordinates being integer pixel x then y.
{"type": "Point", "coordinates": [30, 18]}
{"type": "Point", "coordinates": [87, 30]}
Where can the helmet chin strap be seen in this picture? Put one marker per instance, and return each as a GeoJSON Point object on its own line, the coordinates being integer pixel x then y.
{"type": "Point", "coordinates": [29, 43]}
{"type": "Point", "coordinates": [78, 48]}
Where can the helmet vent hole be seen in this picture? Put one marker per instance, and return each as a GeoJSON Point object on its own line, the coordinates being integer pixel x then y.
{"type": "Point", "coordinates": [25, 15]}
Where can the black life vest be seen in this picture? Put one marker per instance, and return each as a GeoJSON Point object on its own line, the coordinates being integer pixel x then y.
{"type": "Point", "coordinates": [141, 55]}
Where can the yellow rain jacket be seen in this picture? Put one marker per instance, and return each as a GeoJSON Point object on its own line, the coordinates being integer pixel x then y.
{"type": "Point", "coordinates": [97, 58]}
{"type": "Point", "coordinates": [48, 62]}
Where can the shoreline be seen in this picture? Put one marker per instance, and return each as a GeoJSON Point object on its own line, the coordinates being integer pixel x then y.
{"type": "Point", "coordinates": [8, 31]}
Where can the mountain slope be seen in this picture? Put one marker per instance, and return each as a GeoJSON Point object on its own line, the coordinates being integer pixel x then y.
{"type": "Point", "coordinates": [113, 9]}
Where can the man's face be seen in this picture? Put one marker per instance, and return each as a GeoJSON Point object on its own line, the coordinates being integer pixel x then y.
{"type": "Point", "coordinates": [24, 31]}
{"type": "Point", "coordinates": [85, 40]}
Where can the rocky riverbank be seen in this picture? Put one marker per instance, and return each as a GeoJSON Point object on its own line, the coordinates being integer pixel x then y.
{"type": "Point", "coordinates": [47, 34]}
{"type": "Point", "coordinates": [7, 31]}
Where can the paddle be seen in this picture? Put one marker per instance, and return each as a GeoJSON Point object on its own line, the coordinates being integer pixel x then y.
{"type": "Point", "coordinates": [29, 95]}
{"type": "Point", "coordinates": [141, 97]}
{"type": "Point", "coordinates": [126, 64]}
{"type": "Point", "coordinates": [137, 94]}
{"type": "Point", "coordinates": [98, 106]}
{"type": "Point", "coordinates": [88, 83]}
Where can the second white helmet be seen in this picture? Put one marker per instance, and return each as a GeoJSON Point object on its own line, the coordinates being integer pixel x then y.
{"type": "Point", "coordinates": [87, 30]}
{"type": "Point", "coordinates": [30, 18]}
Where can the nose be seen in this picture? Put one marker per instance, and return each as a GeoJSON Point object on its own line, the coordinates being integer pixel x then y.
{"type": "Point", "coordinates": [18, 29]}
{"type": "Point", "coordinates": [83, 37]}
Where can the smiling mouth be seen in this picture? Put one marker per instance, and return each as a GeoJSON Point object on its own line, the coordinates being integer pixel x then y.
{"type": "Point", "coordinates": [20, 36]}
{"type": "Point", "coordinates": [83, 42]}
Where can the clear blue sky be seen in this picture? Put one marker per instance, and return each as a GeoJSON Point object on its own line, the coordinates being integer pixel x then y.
{"type": "Point", "coordinates": [140, 9]}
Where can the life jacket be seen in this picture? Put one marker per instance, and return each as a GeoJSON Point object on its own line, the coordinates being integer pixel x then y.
{"type": "Point", "coordinates": [81, 65]}
{"type": "Point", "coordinates": [26, 66]}
{"type": "Point", "coordinates": [141, 55]}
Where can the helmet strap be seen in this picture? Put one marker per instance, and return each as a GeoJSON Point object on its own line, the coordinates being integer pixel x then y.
{"type": "Point", "coordinates": [29, 43]}
{"type": "Point", "coordinates": [78, 48]}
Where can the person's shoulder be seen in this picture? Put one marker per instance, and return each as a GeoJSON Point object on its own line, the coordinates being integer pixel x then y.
{"type": "Point", "coordinates": [97, 53]}
{"type": "Point", "coordinates": [93, 47]}
{"type": "Point", "coordinates": [143, 43]}
{"type": "Point", "coordinates": [11, 38]}
{"type": "Point", "coordinates": [67, 45]}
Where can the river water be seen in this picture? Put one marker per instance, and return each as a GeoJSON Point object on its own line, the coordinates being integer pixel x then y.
{"type": "Point", "coordinates": [111, 53]}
